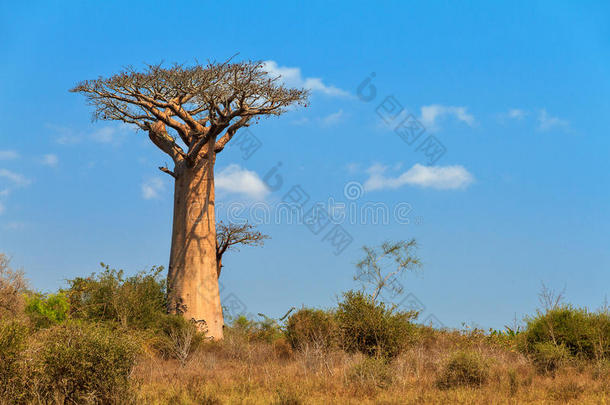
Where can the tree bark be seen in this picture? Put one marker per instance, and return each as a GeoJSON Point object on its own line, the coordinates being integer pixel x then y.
{"type": "Point", "coordinates": [192, 279]}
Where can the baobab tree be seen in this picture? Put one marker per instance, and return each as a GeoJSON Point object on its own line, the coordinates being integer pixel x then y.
{"type": "Point", "coordinates": [191, 113]}
{"type": "Point", "coordinates": [230, 236]}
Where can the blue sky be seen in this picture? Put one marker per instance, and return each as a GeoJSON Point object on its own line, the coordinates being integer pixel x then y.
{"type": "Point", "coordinates": [516, 92]}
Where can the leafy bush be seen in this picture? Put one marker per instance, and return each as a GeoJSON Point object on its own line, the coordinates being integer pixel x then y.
{"type": "Point", "coordinates": [175, 337]}
{"type": "Point", "coordinates": [12, 289]}
{"type": "Point", "coordinates": [47, 310]}
{"type": "Point", "coordinates": [370, 327]}
{"type": "Point", "coordinates": [13, 335]}
{"type": "Point", "coordinates": [311, 328]}
{"type": "Point", "coordinates": [82, 363]}
{"type": "Point", "coordinates": [464, 369]}
{"type": "Point", "coordinates": [583, 333]}
{"type": "Point", "coordinates": [548, 357]}
{"type": "Point", "coordinates": [267, 330]}
{"type": "Point", "coordinates": [135, 301]}
{"type": "Point", "coordinates": [372, 371]}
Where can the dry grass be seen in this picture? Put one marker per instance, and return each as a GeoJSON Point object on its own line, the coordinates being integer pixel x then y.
{"type": "Point", "coordinates": [237, 371]}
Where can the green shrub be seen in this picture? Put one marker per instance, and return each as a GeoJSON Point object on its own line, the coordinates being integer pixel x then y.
{"type": "Point", "coordinates": [583, 333]}
{"type": "Point", "coordinates": [82, 363]}
{"type": "Point", "coordinates": [47, 310]}
{"type": "Point", "coordinates": [267, 330]}
{"type": "Point", "coordinates": [548, 357]}
{"type": "Point", "coordinates": [370, 327]}
{"type": "Point", "coordinates": [311, 328]}
{"type": "Point", "coordinates": [373, 372]}
{"type": "Point", "coordinates": [464, 369]}
{"type": "Point", "coordinates": [175, 337]}
{"type": "Point", "coordinates": [13, 335]}
{"type": "Point", "coordinates": [135, 301]}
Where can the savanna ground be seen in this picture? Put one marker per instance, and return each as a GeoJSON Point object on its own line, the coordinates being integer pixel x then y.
{"type": "Point", "coordinates": [107, 339]}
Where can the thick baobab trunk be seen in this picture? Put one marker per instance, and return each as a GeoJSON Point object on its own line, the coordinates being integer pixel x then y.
{"type": "Point", "coordinates": [192, 279]}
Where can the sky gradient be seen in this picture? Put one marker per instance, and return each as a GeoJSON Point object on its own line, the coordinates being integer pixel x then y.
{"type": "Point", "coordinates": [517, 94]}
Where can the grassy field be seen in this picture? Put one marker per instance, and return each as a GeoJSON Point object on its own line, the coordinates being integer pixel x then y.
{"type": "Point", "coordinates": [237, 371]}
{"type": "Point", "coordinates": [107, 339]}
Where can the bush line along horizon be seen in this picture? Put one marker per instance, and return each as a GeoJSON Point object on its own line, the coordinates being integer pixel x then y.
{"type": "Point", "coordinates": [84, 343]}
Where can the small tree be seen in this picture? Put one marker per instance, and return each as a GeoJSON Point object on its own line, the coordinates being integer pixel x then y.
{"type": "Point", "coordinates": [382, 265]}
{"type": "Point", "coordinates": [229, 237]}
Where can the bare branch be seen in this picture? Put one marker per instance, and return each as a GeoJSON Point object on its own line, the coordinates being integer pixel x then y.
{"type": "Point", "coordinates": [197, 102]}
{"type": "Point", "coordinates": [221, 143]}
{"type": "Point", "coordinates": [164, 169]}
{"type": "Point", "coordinates": [229, 237]}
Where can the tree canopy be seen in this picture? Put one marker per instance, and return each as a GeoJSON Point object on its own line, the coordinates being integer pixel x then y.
{"type": "Point", "coordinates": [199, 105]}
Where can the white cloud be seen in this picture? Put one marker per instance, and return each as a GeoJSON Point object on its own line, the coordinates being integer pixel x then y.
{"type": "Point", "coordinates": [333, 118]}
{"type": "Point", "coordinates": [64, 135]}
{"type": "Point", "coordinates": [152, 188]}
{"type": "Point", "coordinates": [431, 115]}
{"type": "Point", "coordinates": [105, 134]}
{"type": "Point", "coordinates": [516, 113]}
{"type": "Point", "coordinates": [50, 160]}
{"type": "Point", "coordinates": [109, 134]}
{"type": "Point", "coordinates": [234, 179]}
{"type": "Point", "coordinates": [15, 178]}
{"type": "Point", "coordinates": [8, 154]}
{"type": "Point", "coordinates": [13, 226]}
{"type": "Point", "coordinates": [292, 77]}
{"type": "Point", "coordinates": [301, 121]}
{"type": "Point", "coordinates": [547, 122]}
{"type": "Point", "coordinates": [438, 177]}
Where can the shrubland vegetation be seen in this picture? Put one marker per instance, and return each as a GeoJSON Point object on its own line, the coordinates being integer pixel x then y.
{"type": "Point", "coordinates": [106, 339]}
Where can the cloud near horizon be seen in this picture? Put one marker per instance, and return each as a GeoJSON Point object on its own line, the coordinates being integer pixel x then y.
{"type": "Point", "coordinates": [436, 177]}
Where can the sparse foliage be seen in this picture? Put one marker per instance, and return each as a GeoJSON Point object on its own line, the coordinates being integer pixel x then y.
{"type": "Point", "coordinates": [231, 236]}
{"type": "Point", "coordinates": [13, 342]}
{"type": "Point", "coordinates": [549, 298]}
{"type": "Point", "coordinates": [382, 266]}
{"type": "Point", "coordinates": [197, 103]}
{"type": "Point", "coordinates": [13, 286]}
